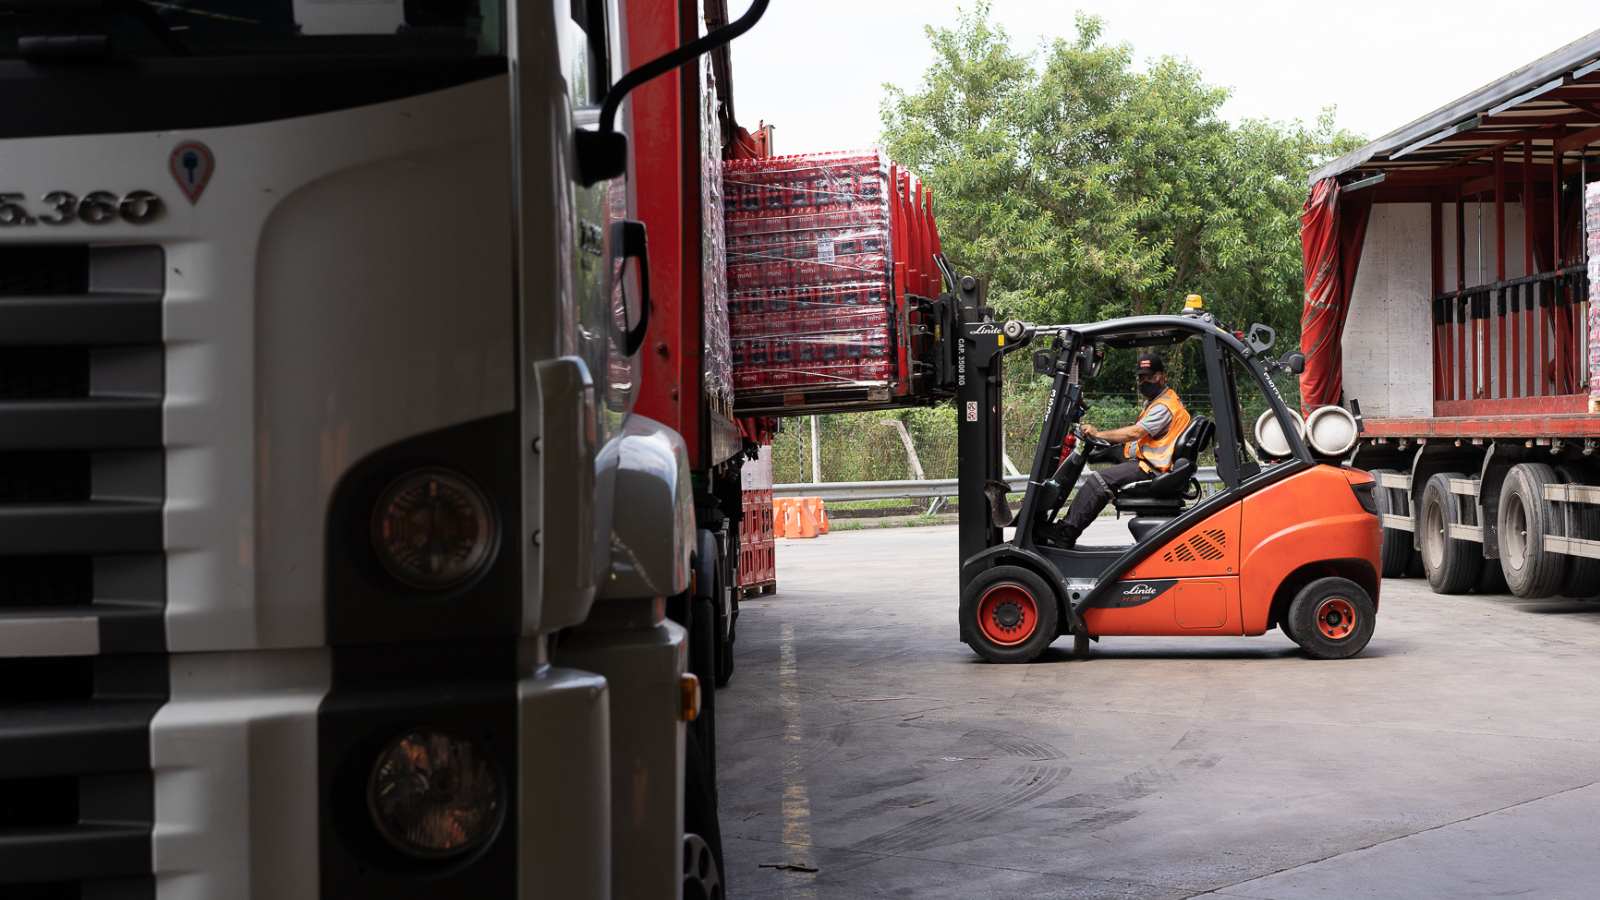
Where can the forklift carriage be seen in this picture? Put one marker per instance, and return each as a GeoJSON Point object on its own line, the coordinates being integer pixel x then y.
{"type": "Point", "coordinates": [1290, 541]}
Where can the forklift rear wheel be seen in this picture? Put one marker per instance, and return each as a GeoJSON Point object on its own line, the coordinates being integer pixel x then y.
{"type": "Point", "coordinates": [1396, 549]}
{"type": "Point", "coordinates": [1332, 618]}
{"type": "Point", "coordinates": [1013, 614]}
{"type": "Point", "coordinates": [1453, 565]}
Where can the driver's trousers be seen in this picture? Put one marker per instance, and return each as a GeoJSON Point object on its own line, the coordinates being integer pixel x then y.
{"type": "Point", "coordinates": [1096, 489]}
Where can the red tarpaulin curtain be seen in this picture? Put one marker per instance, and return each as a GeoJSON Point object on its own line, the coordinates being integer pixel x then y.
{"type": "Point", "coordinates": [1332, 228]}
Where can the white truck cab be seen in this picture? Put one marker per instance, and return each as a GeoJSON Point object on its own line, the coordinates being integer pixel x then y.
{"type": "Point", "coordinates": [316, 378]}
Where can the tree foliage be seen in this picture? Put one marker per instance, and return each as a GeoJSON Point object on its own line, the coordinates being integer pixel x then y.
{"type": "Point", "coordinates": [1086, 188]}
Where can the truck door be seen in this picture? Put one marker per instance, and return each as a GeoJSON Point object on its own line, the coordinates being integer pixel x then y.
{"type": "Point", "coordinates": [576, 310]}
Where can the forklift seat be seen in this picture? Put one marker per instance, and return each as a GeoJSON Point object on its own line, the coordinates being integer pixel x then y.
{"type": "Point", "coordinates": [1163, 497]}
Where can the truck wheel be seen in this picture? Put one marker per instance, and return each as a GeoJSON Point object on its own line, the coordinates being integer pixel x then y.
{"type": "Point", "coordinates": [1332, 618]}
{"type": "Point", "coordinates": [1396, 546]}
{"type": "Point", "coordinates": [702, 662]}
{"type": "Point", "coordinates": [702, 828]}
{"type": "Point", "coordinates": [1525, 518]}
{"type": "Point", "coordinates": [725, 633]}
{"type": "Point", "coordinates": [1583, 572]}
{"type": "Point", "coordinates": [1011, 614]}
{"type": "Point", "coordinates": [1452, 565]}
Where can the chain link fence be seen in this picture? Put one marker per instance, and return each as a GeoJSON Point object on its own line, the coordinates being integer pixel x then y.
{"type": "Point", "coordinates": [867, 446]}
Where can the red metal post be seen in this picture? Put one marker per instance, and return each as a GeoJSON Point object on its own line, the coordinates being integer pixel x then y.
{"type": "Point", "coordinates": [1463, 360]}
{"type": "Point", "coordinates": [1500, 255]}
{"type": "Point", "coordinates": [1558, 354]}
{"type": "Point", "coordinates": [1528, 292]}
{"type": "Point", "coordinates": [1441, 333]}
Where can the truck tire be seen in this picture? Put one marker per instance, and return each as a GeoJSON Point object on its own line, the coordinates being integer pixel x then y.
{"type": "Point", "coordinates": [702, 662]}
{"type": "Point", "coordinates": [1525, 518]}
{"type": "Point", "coordinates": [1396, 545]}
{"type": "Point", "coordinates": [1011, 614]}
{"type": "Point", "coordinates": [702, 877]}
{"type": "Point", "coordinates": [1332, 618]}
{"type": "Point", "coordinates": [1583, 572]}
{"type": "Point", "coordinates": [1452, 565]}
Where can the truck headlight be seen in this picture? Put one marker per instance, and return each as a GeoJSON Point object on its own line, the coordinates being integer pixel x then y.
{"type": "Point", "coordinates": [434, 795]}
{"type": "Point", "coordinates": [433, 529]}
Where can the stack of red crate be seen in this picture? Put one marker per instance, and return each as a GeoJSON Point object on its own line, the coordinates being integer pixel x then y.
{"type": "Point", "coordinates": [758, 569]}
{"type": "Point", "coordinates": [823, 250]}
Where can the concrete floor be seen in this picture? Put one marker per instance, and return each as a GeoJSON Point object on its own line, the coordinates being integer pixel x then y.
{"type": "Point", "coordinates": [1459, 756]}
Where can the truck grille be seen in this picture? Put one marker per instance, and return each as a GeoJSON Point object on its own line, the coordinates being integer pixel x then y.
{"type": "Point", "coordinates": [82, 570]}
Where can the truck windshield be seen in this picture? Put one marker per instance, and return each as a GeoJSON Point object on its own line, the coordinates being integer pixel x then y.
{"type": "Point", "coordinates": [64, 30]}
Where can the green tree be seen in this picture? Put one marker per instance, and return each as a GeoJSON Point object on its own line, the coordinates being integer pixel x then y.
{"type": "Point", "coordinates": [1085, 188]}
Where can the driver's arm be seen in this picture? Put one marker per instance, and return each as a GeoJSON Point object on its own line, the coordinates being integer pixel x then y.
{"type": "Point", "coordinates": [1154, 423]}
{"type": "Point", "coordinates": [1121, 435]}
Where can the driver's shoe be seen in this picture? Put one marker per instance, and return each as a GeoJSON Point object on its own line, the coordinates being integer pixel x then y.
{"type": "Point", "coordinates": [1060, 534]}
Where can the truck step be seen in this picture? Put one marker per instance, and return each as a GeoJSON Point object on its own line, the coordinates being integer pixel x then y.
{"type": "Point", "coordinates": [83, 424]}
{"type": "Point", "coordinates": [101, 320]}
{"type": "Point", "coordinates": [92, 527]}
{"type": "Point", "coordinates": [71, 738]}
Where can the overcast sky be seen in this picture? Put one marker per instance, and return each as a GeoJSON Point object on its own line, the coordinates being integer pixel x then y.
{"type": "Point", "coordinates": [814, 68]}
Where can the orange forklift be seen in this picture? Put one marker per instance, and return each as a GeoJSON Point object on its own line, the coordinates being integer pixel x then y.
{"type": "Point", "coordinates": [1289, 540]}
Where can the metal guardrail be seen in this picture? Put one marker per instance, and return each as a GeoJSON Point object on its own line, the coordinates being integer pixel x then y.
{"type": "Point", "coordinates": [898, 490]}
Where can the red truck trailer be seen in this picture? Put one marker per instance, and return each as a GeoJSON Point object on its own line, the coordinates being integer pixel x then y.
{"type": "Point", "coordinates": [1448, 296]}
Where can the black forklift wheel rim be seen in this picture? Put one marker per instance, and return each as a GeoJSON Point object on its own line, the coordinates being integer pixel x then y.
{"type": "Point", "coordinates": [1008, 614]}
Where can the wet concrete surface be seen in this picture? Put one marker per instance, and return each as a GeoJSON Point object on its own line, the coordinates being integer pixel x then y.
{"type": "Point", "coordinates": [1459, 756]}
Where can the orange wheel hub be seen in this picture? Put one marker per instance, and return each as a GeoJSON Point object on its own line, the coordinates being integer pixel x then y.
{"type": "Point", "coordinates": [1007, 614]}
{"type": "Point", "coordinates": [1336, 618]}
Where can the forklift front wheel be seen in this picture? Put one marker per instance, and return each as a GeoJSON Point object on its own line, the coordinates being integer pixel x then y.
{"type": "Point", "coordinates": [1332, 618]}
{"type": "Point", "coordinates": [1013, 614]}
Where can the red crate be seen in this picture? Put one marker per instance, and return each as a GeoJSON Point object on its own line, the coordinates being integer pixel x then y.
{"type": "Point", "coordinates": [822, 251]}
{"type": "Point", "coordinates": [757, 552]}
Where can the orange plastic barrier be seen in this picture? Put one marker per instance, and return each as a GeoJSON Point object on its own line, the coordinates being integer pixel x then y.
{"type": "Point", "coordinates": [798, 517]}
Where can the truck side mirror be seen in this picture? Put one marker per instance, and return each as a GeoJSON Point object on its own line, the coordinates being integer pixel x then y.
{"type": "Point", "coordinates": [1294, 361]}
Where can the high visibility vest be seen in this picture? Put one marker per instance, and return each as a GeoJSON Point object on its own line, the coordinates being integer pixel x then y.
{"type": "Point", "coordinates": [1155, 454]}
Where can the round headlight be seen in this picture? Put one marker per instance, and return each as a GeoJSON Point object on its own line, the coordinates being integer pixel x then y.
{"type": "Point", "coordinates": [434, 795]}
{"type": "Point", "coordinates": [433, 529]}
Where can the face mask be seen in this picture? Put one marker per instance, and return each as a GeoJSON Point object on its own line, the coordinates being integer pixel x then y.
{"type": "Point", "coordinates": [1150, 390]}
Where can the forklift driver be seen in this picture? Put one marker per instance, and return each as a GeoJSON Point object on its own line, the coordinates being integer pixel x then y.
{"type": "Point", "coordinates": [1147, 446]}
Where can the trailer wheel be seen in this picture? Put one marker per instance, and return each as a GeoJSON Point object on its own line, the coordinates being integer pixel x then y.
{"type": "Point", "coordinates": [1525, 518]}
{"type": "Point", "coordinates": [1583, 572]}
{"type": "Point", "coordinates": [1452, 565]}
{"type": "Point", "coordinates": [1011, 614]}
{"type": "Point", "coordinates": [1332, 618]}
{"type": "Point", "coordinates": [1396, 546]}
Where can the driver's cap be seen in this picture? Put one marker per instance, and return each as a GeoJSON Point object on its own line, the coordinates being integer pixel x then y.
{"type": "Point", "coordinates": [1150, 363]}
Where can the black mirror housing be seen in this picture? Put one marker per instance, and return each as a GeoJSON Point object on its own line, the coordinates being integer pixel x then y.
{"type": "Point", "coordinates": [1294, 361]}
{"type": "Point", "coordinates": [1044, 362]}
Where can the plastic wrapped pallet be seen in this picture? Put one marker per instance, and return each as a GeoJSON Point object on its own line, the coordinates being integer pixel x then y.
{"type": "Point", "coordinates": [1592, 219]}
{"type": "Point", "coordinates": [718, 353]}
{"type": "Point", "coordinates": [813, 306]}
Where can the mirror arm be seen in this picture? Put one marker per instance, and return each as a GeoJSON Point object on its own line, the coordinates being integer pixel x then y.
{"type": "Point", "coordinates": [603, 154]}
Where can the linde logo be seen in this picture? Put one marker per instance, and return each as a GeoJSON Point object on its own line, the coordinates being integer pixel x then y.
{"type": "Point", "coordinates": [1140, 590]}
{"type": "Point", "coordinates": [986, 329]}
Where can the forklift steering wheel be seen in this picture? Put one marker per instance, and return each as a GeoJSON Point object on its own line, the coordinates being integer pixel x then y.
{"type": "Point", "coordinates": [1091, 441]}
